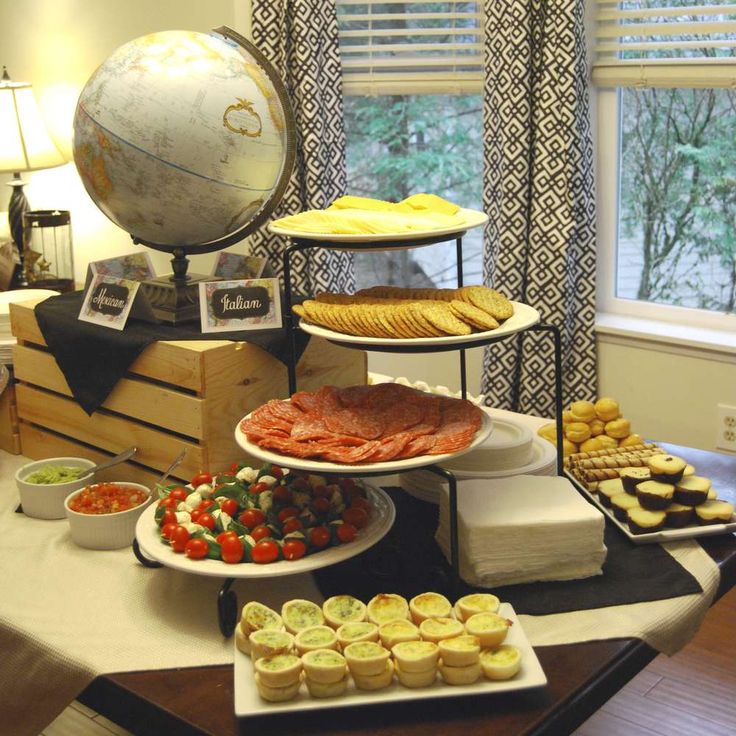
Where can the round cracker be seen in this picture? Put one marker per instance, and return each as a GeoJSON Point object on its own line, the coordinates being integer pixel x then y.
{"type": "Point", "coordinates": [469, 313]}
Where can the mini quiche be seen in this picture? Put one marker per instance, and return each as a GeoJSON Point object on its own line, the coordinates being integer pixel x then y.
{"type": "Point", "coordinates": [324, 666]}
{"type": "Point", "coordinates": [466, 675]}
{"type": "Point", "coordinates": [416, 656]}
{"type": "Point", "coordinates": [327, 689]}
{"type": "Point", "coordinates": [316, 637]}
{"type": "Point", "coordinates": [267, 642]}
{"type": "Point", "coordinates": [343, 609]}
{"type": "Point", "coordinates": [460, 651]}
{"type": "Point", "coordinates": [299, 614]}
{"type": "Point", "coordinates": [395, 631]}
{"type": "Point", "coordinates": [359, 631]}
{"type": "Point", "coordinates": [257, 616]}
{"type": "Point", "coordinates": [429, 605]}
{"type": "Point", "coordinates": [501, 663]}
{"type": "Point", "coordinates": [278, 670]}
{"type": "Point", "coordinates": [366, 658]}
{"type": "Point", "coordinates": [490, 628]}
{"type": "Point", "coordinates": [436, 629]}
{"type": "Point", "coordinates": [242, 640]}
{"type": "Point", "coordinates": [386, 607]}
{"type": "Point", "coordinates": [473, 603]}
{"type": "Point", "coordinates": [375, 682]}
{"type": "Point", "coordinates": [416, 679]}
{"type": "Point", "coordinates": [277, 694]}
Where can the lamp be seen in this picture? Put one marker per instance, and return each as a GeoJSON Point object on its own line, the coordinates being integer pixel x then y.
{"type": "Point", "coordinates": [25, 145]}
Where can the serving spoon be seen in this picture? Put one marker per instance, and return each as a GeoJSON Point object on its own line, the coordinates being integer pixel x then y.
{"type": "Point", "coordinates": [119, 458]}
{"type": "Point", "coordinates": [171, 467]}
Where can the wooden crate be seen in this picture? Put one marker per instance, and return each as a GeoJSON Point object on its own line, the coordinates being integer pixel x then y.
{"type": "Point", "coordinates": [184, 394]}
{"type": "Point", "coordinates": [9, 427]}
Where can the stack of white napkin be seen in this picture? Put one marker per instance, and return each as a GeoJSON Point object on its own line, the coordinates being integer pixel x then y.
{"type": "Point", "coordinates": [523, 529]}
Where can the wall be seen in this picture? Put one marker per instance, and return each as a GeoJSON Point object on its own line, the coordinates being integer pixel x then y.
{"type": "Point", "coordinates": [56, 45]}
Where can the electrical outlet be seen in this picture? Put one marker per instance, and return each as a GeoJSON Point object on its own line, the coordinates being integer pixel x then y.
{"type": "Point", "coordinates": [726, 434]}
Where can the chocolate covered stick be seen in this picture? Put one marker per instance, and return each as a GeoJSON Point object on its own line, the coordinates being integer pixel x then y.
{"type": "Point", "coordinates": [616, 461]}
{"type": "Point", "coordinates": [646, 448]}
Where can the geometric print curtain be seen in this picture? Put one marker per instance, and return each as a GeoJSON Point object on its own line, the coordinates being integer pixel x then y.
{"type": "Point", "coordinates": [539, 195]}
{"type": "Point", "coordinates": [299, 37]}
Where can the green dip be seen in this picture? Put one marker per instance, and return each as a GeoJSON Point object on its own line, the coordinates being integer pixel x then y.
{"type": "Point", "coordinates": [56, 474]}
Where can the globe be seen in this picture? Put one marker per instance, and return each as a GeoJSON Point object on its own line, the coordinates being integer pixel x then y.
{"type": "Point", "coordinates": [184, 139]}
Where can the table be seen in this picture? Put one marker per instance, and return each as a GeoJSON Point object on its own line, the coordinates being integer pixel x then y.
{"type": "Point", "coordinates": [199, 701]}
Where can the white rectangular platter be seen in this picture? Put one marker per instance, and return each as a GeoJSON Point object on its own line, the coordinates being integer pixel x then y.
{"type": "Point", "coordinates": [666, 535]}
{"type": "Point", "coordinates": [531, 675]}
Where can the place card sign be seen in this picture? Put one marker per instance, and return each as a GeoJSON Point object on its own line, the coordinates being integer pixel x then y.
{"type": "Point", "coordinates": [230, 266]}
{"type": "Point", "coordinates": [133, 266]}
{"type": "Point", "coordinates": [243, 304]}
{"type": "Point", "coordinates": [108, 301]}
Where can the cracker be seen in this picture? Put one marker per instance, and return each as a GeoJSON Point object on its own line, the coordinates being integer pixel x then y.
{"type": "Point", "coordinates": [489, 300]}
{"type": "Point", "coordinates": [475, 317]}
{"type": "Point", "coordinates": [440, 316]}
{"type": "Point", "coordinates": [417, 317]}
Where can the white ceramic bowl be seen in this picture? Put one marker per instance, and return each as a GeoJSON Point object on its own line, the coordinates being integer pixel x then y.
{"type": "Point", "coordinates": [46, 500]}
{"type": "Point", "coordinates": [105, 531]}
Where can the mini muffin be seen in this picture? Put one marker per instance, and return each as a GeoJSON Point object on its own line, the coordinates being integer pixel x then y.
{"type": "Point", "coordinates": [473, 603]}
{"type": "Point", "coordinates": [324, 666]}
{"type": "Point", "coordinates": [299, 614]}
{"type": "Point", "coordinates": [460, 651]}
{"type": "Point", "coordinates": [490, 628]}
{"type": "Point", "coordinates": [429, 605]}
{"type": "Point", "coordinates": [393, 632]}
{"type": "Point", "coordinates": [436, 629]}
{"type": "Point", "coordinates": [355, 632]}
{"type": "Point", "coordinates": [460, 675]}
{"type": "Point", "coordinates": [386, 607]}
{"type": "Point", "coordinates": [609, 488]}
{"type": "Point", "coordinates": [714, 512]}
{"type": "Point", "coordinates": [416, 656]}
{"type": "Point", "coordinates": [678, 515]}
{"type": "Point", "coordinates": [343, 609]}
{"type": "Point", "coordinates": [642, 521]}
{"type": "Point", "coordinates": [267, 642]}
{"type": "Point", "coordinates": [666, 468]}
{"type": "Point", "coordinates": [315, 637]}
{"type": "Point", "coordinates": [502, 663]}
{"type": "Point", "coordinates": [278, 670]}
{"type": "Point", "coordinates": [622, 503]}
{"type": "Point", "coordinates": [631, 476]}
{"type": "Point", "coordinates": [655, 495]}
{"type": "Point", "coordinates": [366, 658]}
{"type": "Point", "coordinates": [692, 490]}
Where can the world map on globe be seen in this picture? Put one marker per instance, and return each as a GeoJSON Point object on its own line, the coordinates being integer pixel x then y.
{"type": "Point", "coordinates": [180, 138]}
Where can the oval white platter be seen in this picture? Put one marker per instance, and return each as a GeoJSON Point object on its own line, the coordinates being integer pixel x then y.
{"type": "Point", "coordinates": [390, 466]}
{"type": "Point", "coordinates": [472, 219]}
{"type": "Point", "coordinates": [524, 316]}
{"type": "Point", "coordinates": [381, 520]}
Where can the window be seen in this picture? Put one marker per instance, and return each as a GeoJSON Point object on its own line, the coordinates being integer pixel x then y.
{"type": "Point", "coordinates": [666, 73]}
{"type": "Point", "coordinates": [412, 78]}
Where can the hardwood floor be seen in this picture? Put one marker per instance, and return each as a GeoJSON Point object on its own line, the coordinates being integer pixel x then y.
{"type": "Point", "coordinates": [689, 694]}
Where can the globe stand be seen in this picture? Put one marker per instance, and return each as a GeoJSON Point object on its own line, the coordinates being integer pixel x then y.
{"type": "Point", "coordinates": [174, 299]}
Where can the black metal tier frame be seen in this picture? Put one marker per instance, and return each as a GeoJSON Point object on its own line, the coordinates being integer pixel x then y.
{"type": "Point", "coordinates": [227, 603]}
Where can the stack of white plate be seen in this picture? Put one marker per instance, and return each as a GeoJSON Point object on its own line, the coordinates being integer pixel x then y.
{"type": "Point", "coordinates": [511, 449]}
{"type": "Point", "coordinates": [6, 299]}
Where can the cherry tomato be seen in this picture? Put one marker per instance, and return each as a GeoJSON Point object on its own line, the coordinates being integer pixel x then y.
{"type": "Point", "coordinates": [196, 549]}
{"type": "Point", "coordinates": [166, 530]}
{"type": "Point", "coordinates": [231, 550]}
{"type": "Point", "coordinates": [168, 503]}
{"type": "Point", "coordinates": [276, 471]}
{"type": "Point", "coordinates": [346, 532]}
{"type": "Point", "coordinates": [168, 517]}
{"type": "Point", "coordinates": [301, 484]}
{"type": "Point", "coordinates": [201, 479]}
{"type": "Point", "coordinates": [287, 513]}
{"type": "Point", "coordinates": [252, 518]}
{"type": "Point", "coordinates": [281, 494]}
{"type": "Point", "coordinates": [179, 537]}
{"type": "Point", "coordinates": [319, 536]}
{"type": "Point", "coordinates": [195, 514]}
{"type": "Point", "coordinates": [256, 488]}
{"type": "Point", "coordinates": [321, 505]}
{"type": "Point", "coordinates": [356, 516]}
{"type": "Point", "coordinates": [234, 468]}
{"type": "Point", "coordinates": [322, 490]}
{"type": "Point", "coordinates": [292, 525]}
{"type": "Point", "coordinates": [362, 503]}
{"type": "Point", "coordinates": [230, 507]}
{"type": "Point", "coordinates": [206, 520]}
{"type": "Point", "coordinates": [265, 551]}
{"type": "Point", "coordinates": [261, 532]}
{"type": "Point", "coordinates": [293, 549]}
{"type": "Point", "coordinates": [225, 535]}
{"type": "Point", "coordinates": [205, 503]}
{"type": "Point", "coordinates": [180, 493]}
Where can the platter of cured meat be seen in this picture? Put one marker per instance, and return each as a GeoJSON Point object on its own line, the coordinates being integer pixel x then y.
{"type": "Point", "coordinates": [383, 428]}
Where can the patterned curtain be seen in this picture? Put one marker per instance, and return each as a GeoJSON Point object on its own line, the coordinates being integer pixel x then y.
{"type": "Point", "coordinates": [299, 37]}
{"type": "Point", "coordinates": [539, 194]}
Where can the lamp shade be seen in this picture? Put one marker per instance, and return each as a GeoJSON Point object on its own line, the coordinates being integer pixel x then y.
{"type": "Point", "coordinates": [25, 145]}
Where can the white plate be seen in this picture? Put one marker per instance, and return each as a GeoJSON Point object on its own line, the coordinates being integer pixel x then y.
{"type": "Point", "coordinates": [666, 535]}
{"type": "Point", "coordinates": [391, 466]}
{"type": "Point", "coordinates": [524, 316]}
{"type": "Point", "coordinates": [16, 296]}
{"type": "Point", "coordinates": [531, 675]}
{"type": "Point", "coordinates": [381, 521]}
{"type": "Point", "coordinates": [473, 218]}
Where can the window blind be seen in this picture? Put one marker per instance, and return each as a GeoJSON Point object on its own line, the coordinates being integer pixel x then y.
{"type": "Point", "coordinates": [410, 47]}
{"type": "Point", "coordinates": [665, 43]}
